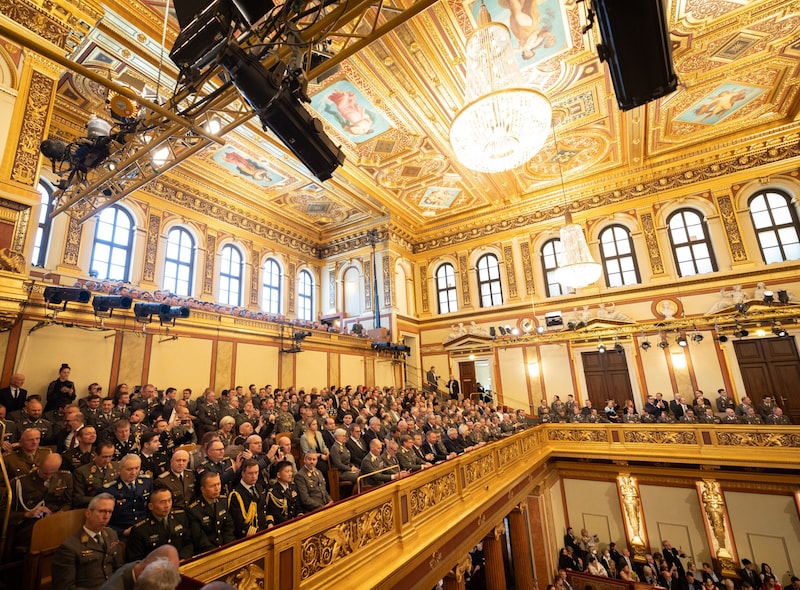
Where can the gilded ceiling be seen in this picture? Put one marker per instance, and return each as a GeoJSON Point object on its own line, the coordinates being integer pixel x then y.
{"type": "Point", "coordinates": [737, 62]}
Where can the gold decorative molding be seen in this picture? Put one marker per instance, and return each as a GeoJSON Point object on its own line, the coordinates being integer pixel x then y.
{"type": "Point", "coordinates": [498, 531]}
{"type": "Point", "coordinates": [578, 435]}
{"type": "Point", "coordinates": [463, 271]}
{"type": "Point", "coordinates": [423, 281]}
{"type": "Point", "coordinates": [660, 437]}
{"type": "Point", "coordinates": [151, 248]}
{"type": "Point", "coordinates": [432, 493]}
{"type": "Point", "coordinates": [72, 245]}
{"type": "Point", "coordinates": [511, 275]}
{"type": "Point", "coordinates": [527, 268]}
{"type": "Point", "coordinates": [718, 526]}
{"type": "Point", "coordinates": [292, 281]}
{"type": "Point", "coordinates": [211, 256]}
{"type": "Point", "coordinates": [386, 270]}
{"type": "Point", "coordinates": [628, 488]}
{"type": "Point", "coordinates": [651, 241]}
{"type": "Point", "coordinates": [436, 559]}
{"type": "Point", "coordinates": [34, 121]}
{"type": "Point", "coordinates": [508, 454]}
{"type": "Point", "coordinates": [368, 289]}
{"type": "Point", "coordinates": [732, 234]}
{"type": "Point", "coordinates": [476, 470]}
{"type": "Point", "coordinates": [759, 439]}
{"type": "Point", "coordinates": [331, 545]}
{"type": "Point", "coordinates": [250, 577]}
{"type": "Point", "coordinates": [463, 567]}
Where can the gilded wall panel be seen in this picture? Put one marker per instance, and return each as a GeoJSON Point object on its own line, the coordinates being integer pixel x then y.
{"type": "Point", "coordinates": [367, 284]}
{"type": "Point", "coordinates": [651, 239]}
{"type": "Point", "coordinates": [432, 493]}
{"type": "Point", "coordinates": [151, 248]}
{"type": "Point", "coordinates": [464, 271]}
{"type": "Point", "coordinates": [733, 235]}
{"type": "Point", "coordinates": [332, 288]}
{"type": "Point", "coordinates": [255, 277]}
{"type": "Point", "coordinates": [211, 256]}
{"type": "Point", "coordinates": [511, 274]}
{"type": "Point", "coordinates": [34, 122]}
{"type": "Point", "coordinates": [423, 281]}
{"type": "Point", "coordinates": [387, 281]}
{"type": "Point", "coordinates": [72, 246]}
{"type": "Point", "coordinates": [292, 282]}
{"type": "Point", "coordinates": [527, 268]}
{"type": "Point", "coordinates": [331, 545]}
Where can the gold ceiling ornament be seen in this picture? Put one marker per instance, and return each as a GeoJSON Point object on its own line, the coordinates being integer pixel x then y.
{"type": "Point", "coordinates": [502, 124]}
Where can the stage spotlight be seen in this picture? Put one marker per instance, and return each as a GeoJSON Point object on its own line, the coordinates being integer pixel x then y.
{"type": "Point", "coordinates": [681, 340]}
{"type": "Point", "coordinates": [722, 338]}
{"type": "Point", "coordinates": [502, 330]}
{"type": "Point", "coordinates": [59, 295]}
{"type": "Point", "coordinates": [492, 332]}
{"type": "Point", "coordinates": [783, 296]}
{"type": "Point", "coordinates": [171, 313]}
{"type": "Point", "coordinates": [663, 344]}
{"type": "Point", "coordinates": [697, 337]}
{"type": "Point", "coordinates": [778, 330]}
{"type": "Point", "coordinates": [769, 297]}
{"type": "Point", "coordinates": [540, 329]}
{"type": "Point", "coordinates": [646, 345]}
{"type": "Point", "coordinates": [144, 311]}
{"type": "Point", "coordinates": [298, 336]}
{"type": "Point", "coordinates": [618, 348]}
{"type": "Point", "coordinates": [741, 333]}
{"type": "Point", "coordinates": [104, 305]}
{"type": "Point", "coordinates": [601, 348]}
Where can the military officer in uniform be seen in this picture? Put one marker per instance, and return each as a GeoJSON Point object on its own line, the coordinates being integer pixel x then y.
{"type": "Point", "coordinates": [89, 557]}
{"type": "Point", "coordinates": [375, 464]}
{"type": "Point", "coordinates": [162, 526]}
{"type": "Point", "coordinates": [83, 451]}
{"type": "Point", "coordinates": [283, 500]}
{"type": "Point", "coordinates": [218, 463]}
{"type": "Point", "coordinates": [89, 479]}
{"type": "Point", "coordinates": [154, 461]}
{"type": "Point", "coordinates": [28, 455]}
{"type": "Point", "coordinates": [341, 459]}
{"type": "Point", "coordinates": [209, 519]}
{"type": "Point", "coordinates": [132, 493]}
{"type": "Point", "coordinates": [407, 458]}
{"type": "Point", "coordinates": [122, 439]}
{"type": "Point", "coordinates": [179, 480]}
{"type": "Point", "coordinates": [37, 495]}
{"type": "Point", "coordinates": [246, 502]}
{"type": "Point", "coordinates": [311, 485]}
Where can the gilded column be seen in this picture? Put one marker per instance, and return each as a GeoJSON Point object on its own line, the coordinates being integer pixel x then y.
{"type": "Point", "coordinates": [521, 549]}
{"type": "Point", "coordinates": [493, 556]}
{"type": "Point", "coordinates": [718, 526]}
{"type": "Point", "coordinates": [632, 515]}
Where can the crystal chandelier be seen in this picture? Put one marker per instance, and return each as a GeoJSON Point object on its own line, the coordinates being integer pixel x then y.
{"type": "Point", "coordinates": [502, 124]}
{"type": "Point", "coordinates": [577, 268]}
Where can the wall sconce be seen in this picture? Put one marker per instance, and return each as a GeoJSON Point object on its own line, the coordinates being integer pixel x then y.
{"type": "Point", "coordinates": [59, 295]}
{"type": "Point", "coordinates": [104, 305]}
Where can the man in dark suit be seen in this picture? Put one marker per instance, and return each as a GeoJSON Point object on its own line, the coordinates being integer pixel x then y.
{"type": "Point", "coordinates": [89, 557]}
{"type": "Point", "coordinates": [748, 574]}
{"type": "Point", "coordinates": [678, 406]}
{"type": "Point", "coordinates": [429, 447]}
{"type": "Point", "coordinates": [672, 556]}
{"type": "Point", "coordinates": [13, 397]}
{"type": "Point", "coordinates": [432, 379]}
{"type": "Point", "coordinates": [162, 526]}
{"type": "Point", "coordinates": [328, 429]}
{"type": "Point", "coordinates": [356, 446]}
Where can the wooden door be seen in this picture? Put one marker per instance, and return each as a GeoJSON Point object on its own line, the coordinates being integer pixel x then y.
{"type": "Point", "coordinates": [607, 378]}
{"type": "Point", "coordinates": [466, 372]}
{"type": "Point", "coordinates": [771, 366]}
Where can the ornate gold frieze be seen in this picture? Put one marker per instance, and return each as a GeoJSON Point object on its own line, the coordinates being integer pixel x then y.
{"type": "Point", "coordinates": [326, 548]}
{"type": "Point", "coordinates": [423, 281]}
{"type": "Point", "coordinates": [332, 288]}
{"type": "Point", "coordinates": [211, 256]}
{"type": "Point", "coordinates": [478, 469]}
{"type": "Point", "coordinates": [37, 108]}
{"type": "Point", "coordinates": [151, 248]}
{"type": "Point", "coordinates": [508, 454]}
{"type": "Point", "coordinates": [464, 272]}
{"type": "Point", "coordinates": [204, 204]}
{"type": "Point", "coordinates": [37, 20]}
{"type": "Point", "coordinates": [651, 241]}
{"type": "Point", "coordinates": [255, 276]}
{"type": "Point", "coordinates": [660, 437]}
{"type": "Point", "coordinates": [250, 577]}
{"type": "Point", "coordinates": [759, 439]}
{"type": "Point", "coordinates": [527, 269]}
{"type": "Point", "coordinates": [350, 243]}
{"type": "Point", "coordinates": [291, 283]}
{"type": "Point", "coordinates": [367, 264]}
{"type": "Point", "coordinates": [429, 495]}
{"type": "Point", "coordinates": [387, 281]}
{"type": "Point", "coordinates": [732, 234]}
{"type": "Point", "coordinates": [578, 435]}
{"type": "Point", "coordinates": [72, 245]}
{"type": "Point", "coordinates": [511, 275]}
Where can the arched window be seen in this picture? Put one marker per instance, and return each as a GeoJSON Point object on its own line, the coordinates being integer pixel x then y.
{"type": "Point", "coordinates": [446, 288]}
{"type": "Point", "coordinates": [691, 245]}
{"type": "Point", "coordinates": [619, 262]}
{"type": "Point", "coordinates": [42, 240]}
{"type": "Point", "coordinates": [305, 296]}
{"type": "Point", "coordinates": [271, 286]}
{"type": "Point", "coordinates": [551, 255]}
{"type": "Point", "coordinates": [489, 281]}
{"type": "Point", "coordinates": [179, 262]}
{"type": "Point", "coordinates": [113, 245]}
{"type": "Point", "coordinates": [230, 275]}
{"type": "Point", "coordinates": [775, 221]}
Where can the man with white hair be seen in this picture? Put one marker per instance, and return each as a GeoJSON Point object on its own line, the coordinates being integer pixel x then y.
{"type": "Point", "coordinates": [131, 492]}
{"type": "Point", "coordinates": [159, 575]}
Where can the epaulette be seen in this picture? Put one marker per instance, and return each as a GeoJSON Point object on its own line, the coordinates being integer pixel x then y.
{"type": "Point", "coordinates": [140, 523]}
{"type": "Point", "coordinates": [178, 511]}
{"type": "Point", "coordinates": [195, 503]}
{"type": "Point", "coordinates": [165, 474]}
{"type": "Point", "coordinates": [111, 484]}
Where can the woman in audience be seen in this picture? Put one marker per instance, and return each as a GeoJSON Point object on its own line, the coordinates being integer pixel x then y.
{"type": "Point", "coordinates": [226, 431]}
{"type": "Point", "coordinates": [626, 574]}
{"type": "Point", "coordinates": [60, 392]}
{"type": "Point", "coordinates": [766, 574]}
{"type": "Point", "coordinates": [595, 568]}
{"type": "Point", "coordinates": [312, 442]}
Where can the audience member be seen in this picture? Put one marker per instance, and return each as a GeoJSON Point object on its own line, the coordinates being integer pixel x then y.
{"type": "Point", "coordinates": [89, 479]}
{"type": "Point", "coordinates": [209, 518]}
{"type": "Point", "coordinates": [283, 499]}
{"type": "Point", "coordinates": [126, 576]}
{"type": "Point", "coordinates": [131, 492]}
{"type": "Point", "coordinates": [163, 525]}
{"type": "Point", "coordinates": [311, 485]}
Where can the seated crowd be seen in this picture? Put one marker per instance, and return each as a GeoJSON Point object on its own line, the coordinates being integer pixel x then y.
{"type": "Point", "coordinates": [158, 468]}
{"type": "Point", "coordinates": [657, 409]}
{"type": "Point", "coordinates": [666, 569]}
